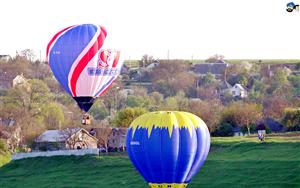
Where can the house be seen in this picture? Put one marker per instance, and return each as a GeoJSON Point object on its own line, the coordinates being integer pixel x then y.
{"type": "Point", "coordinates": [10, 132]}
{"type": "Point", "coordinates": [135, 75]}
{"type": "Point", "coordinates": [5, 57]}
{"type": "Point", "coordinates": [110, 139]}
{"type": "Point", "coordinates": [237, 131]}
{"type": "Point", "coordinates": [5, 80]}
{"type": "Point", "coordinates": [217, 68]}
{"type": "Point", "coordinates": [153, 65]}
{"type": "Point", "coordinates": [237, 91]}
{"type": "Point", "coordinates": [117, 139]}
{"type": "Point", "coordinates": [71, 138]}
{"type": "Point", "coordinates": [19, 80]}
{"type": "Point", "coordinates": [125, 69]}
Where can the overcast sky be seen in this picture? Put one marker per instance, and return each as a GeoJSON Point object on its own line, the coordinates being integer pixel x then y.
{"type": "Point", "coordinates": [186, 28]}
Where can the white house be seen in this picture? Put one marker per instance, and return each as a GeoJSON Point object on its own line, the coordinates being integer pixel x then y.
{"type": "Point", "coordinates": [19, 79]}
{"type": "Point", "coordinates": [238, 91]}
{"type": "Point", "coordinates": [152, 65]}
{"type": "Point", "coordinates": [5, 57]}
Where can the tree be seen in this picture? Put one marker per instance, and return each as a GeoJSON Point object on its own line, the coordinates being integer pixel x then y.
{"type": "Point", "coordinates": [242, 114]}
{"type": "Point", "coordinates": [295, 81]}
{"type": "Point", "coordinates": [214, 58]}
{"type": "Point", "coordinates": [225, 129]}
{"type": "Point", "coordinates": [28, 54]}
{"type": "Point", "coordinates": [113, 99]}
{"type": "Point", "coordinates": [274, 106]}
{"type": "Point", "coordinates": [291, 119]}
{"type": "Point", "coordinates": [146, 60]}
{"type": "Point", "coordinates": [98, 110]}
{"type": "Point", "coordinates": [156, 100]}
{"type": "Point", "coordinates": [207, 93]}
{"type": "Point", "coordinates": [53, 116]}
{"type": "Point", "coordinates": [138, 101]}
{"type": "Point", "coordinates": [102, 134]}
{"type": "Point", "coordinates": [178, 102]}
{"type": "Point", "coordinates": [28, 100]}
{"type": "Point", "coordinates": [125, 116]}
{"type": "Point", "coordinates": [209, 111]}
{"type": "Point", "coordinates": [258, 90]}
{"type": "Point", "coordinates": [208, 79]}
{"type": "Point", "coordinates": [171, 77]}
{"type": "Point", "coordinates": [3, 146]}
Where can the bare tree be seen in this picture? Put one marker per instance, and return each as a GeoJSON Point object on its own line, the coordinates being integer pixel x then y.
{"type": "Point", "coordinates": [102, 134]}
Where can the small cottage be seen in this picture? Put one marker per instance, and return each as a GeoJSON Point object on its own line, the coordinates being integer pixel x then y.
{"type": "Point", "coordinates": [19, 80]}
{"type": "Point", "coordinates": [238, 91]}
{"type": "Point", "coordinates": [71, 138]}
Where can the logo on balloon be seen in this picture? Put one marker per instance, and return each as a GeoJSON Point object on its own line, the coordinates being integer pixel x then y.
{"type": "Point", "coordinates": [104, 58]}
{"type": "Point", "coordinates": [105, 64]}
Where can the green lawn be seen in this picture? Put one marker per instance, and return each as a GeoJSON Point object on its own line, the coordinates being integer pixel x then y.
{"type": "Point", "coordinates": [232, 162]}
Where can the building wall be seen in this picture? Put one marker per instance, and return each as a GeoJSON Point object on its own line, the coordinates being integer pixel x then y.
{"type": "Point", "coordinates": [237, 92]}
{"type": "Point", "coordinates": [19, 80]}
{"type": "Point", "coordinates": [83, 141]}
{"type": "Point", "coordinates": [117, 139]}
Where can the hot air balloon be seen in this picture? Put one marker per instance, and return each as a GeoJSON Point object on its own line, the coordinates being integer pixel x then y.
{"type": "Point", "coordinates": [80, 64]}
{"type": "Point", "coordinates": [168, 147]}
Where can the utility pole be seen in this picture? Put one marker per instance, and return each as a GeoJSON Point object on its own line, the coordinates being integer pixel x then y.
{"type": "Point", "coordinates": [168, 55]}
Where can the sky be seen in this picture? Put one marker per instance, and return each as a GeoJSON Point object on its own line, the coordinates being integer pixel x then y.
{"type": "Point", "coordinates": [178, 29]}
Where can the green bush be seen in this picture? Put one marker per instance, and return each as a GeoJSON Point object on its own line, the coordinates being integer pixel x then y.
{"type": "Point", "coordinates": [3, 145]}
{"type": "Point", "coordinates": [225, 129]}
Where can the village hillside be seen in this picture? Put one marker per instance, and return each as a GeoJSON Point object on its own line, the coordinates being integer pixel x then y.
{"type": "Point", "coordinates": [233, 98]}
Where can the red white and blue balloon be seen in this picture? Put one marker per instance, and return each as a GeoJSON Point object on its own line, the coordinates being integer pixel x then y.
{"type": "Point", "coordinates": [81, 65]}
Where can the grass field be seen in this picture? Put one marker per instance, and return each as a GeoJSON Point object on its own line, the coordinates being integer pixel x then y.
{"type": "Point", "coordinates": [232, 162]}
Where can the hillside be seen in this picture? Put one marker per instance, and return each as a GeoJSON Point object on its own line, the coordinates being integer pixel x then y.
{"type": "Point", "coordinates": [232, 162]}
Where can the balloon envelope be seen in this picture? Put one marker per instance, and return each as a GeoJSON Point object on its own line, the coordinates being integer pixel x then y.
{"type": "Point", "coordinates": [81, 65]}
{"type": "Point", "coordinates": [168, 148]}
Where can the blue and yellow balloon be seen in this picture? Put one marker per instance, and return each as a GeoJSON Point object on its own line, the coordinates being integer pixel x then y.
{"type": "Point", "coordinates": [168, 147]}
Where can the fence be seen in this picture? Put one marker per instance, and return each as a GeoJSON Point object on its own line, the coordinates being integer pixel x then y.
{"type": "Point", "coordinates": [18, 156]}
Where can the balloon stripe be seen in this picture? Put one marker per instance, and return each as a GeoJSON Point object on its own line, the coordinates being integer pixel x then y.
{"type": "Point", "coordinates": [116, 60]}
{"type": "Point", "coordinates": [56, 36]}
{"type": "Point", "coordinates": [105, 87]}
{"type": "Point", "coordinates": [85, 59]}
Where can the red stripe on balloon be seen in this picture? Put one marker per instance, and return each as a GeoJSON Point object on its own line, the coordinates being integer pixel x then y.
{"type": "Point", "coordinates": [86, 59]}
{"type": "Point", "coordinates": [54, 38]}
{"type": "Point", "coordinates": [116, 60]}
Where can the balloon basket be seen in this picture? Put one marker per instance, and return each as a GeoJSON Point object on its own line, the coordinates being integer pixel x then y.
{"type": "Point", "coordinates": [168, 185]}
{"type": "Point", "coordinates": [86, 119]}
